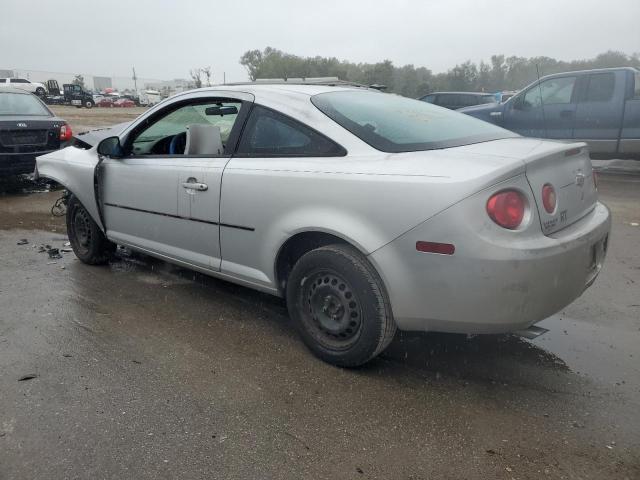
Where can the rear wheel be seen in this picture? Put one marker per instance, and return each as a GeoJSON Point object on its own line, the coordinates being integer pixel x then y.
{"type": "Point", "coordinates": [338, 303]}
{"type": "Point", "coordinates": [88, 104]}
{"type": "Point", "coordinates": [87, 240]}
{"type": "Point", "coordinates": [40, 92]}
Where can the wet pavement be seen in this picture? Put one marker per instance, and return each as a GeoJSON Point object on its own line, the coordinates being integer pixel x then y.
{"type": "Point", "coordinates": [144, 370]}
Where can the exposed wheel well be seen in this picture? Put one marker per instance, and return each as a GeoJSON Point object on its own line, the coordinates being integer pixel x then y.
{"type": "Point", "coordinates": [295, 247]}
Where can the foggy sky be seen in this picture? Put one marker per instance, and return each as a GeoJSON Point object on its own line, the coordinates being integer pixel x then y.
{"type": "Point", "coordinates": [164, 38]}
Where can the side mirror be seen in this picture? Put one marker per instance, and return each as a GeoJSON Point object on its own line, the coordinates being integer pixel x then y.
{"type": "Point", "coordinates": [110, 147]}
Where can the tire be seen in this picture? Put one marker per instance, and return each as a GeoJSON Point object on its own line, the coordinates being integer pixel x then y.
{"type": "Point", "coordinates": [89, 104]}
{"type": "Point", "coordinates": [87, 240]}
{"type": "Point", "coordinates": [339, 305]}
{"type": "Point", "coordinates": [40, 92]}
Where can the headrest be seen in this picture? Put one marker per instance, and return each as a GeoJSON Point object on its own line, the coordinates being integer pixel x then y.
{"type": "Point", "coordinates": [203, 140]}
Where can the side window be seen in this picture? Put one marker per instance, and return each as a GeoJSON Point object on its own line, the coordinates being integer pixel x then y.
{"type": "Point", "coordinates": [271, 134]}
{"type": "Point", "coordinates": [443, 100]}
{"type": "Point", "coordinates": [600, 87]}
{"type": "Point", "coordinates": [468, 100]}
{"type": "Point", "coordinates": [550, 92]}
{"type": "Point", "coordinates": [429, 98]}
{"type": "Point", "coordinates": [196, 128]}
{"type": "Point", "coordinates": [19, 80]}
{"type": "Point", "coordinates": [636, 89]}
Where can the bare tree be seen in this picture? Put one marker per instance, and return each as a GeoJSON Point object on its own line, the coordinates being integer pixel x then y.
{"type": "Point", "coordinates": [208, 74]}
{"type": "Point", "coordinates": [196, 76]}
{"type": "Point", "coordinates": [79, 80]}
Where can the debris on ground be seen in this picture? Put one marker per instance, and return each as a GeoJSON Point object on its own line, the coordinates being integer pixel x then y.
{"type": "Point", "coordinates": [59, 208]}
{"type": "Point", "coordinates": [54, 253]}
{"type": "Point", "coordinates": [22, 241]}
{"type": "Point", "coordinates": [66, 249]}
{"type": "Point", "coordinates": [28, 376]}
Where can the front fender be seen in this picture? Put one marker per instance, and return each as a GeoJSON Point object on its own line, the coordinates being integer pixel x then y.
{"type": "Point", "coordinates": [73, 168]}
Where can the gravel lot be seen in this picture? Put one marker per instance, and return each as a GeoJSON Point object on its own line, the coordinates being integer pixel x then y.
{"type": "Point", "coordinates": [83, 119]}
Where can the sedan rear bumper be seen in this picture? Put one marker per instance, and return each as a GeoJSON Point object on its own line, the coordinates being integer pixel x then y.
{"type": "Point", "coordinates": [17, 163]}
{"type": "Point", "coordinates": [487, 286]}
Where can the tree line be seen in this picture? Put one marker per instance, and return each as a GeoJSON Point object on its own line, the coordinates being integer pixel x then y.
{"type": "Point", "coordinates": [500, 73]}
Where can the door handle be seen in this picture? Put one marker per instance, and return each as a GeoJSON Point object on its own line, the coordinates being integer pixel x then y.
{"type": "Point", "coordinates": [201, 187]}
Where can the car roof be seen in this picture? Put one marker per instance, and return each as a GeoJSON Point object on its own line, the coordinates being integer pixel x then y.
{"type": "Point", "coordinates": [590, 71]}
{"type": "Point", "coordinates": [284, 88]}
{"type": "Point", "coordinates": [460, 93]}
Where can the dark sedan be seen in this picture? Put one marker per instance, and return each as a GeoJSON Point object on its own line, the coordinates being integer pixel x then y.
{"type": "Point", "coordinates": [456, 100]}
{"type": "Point", "coordinates": [27, 129]}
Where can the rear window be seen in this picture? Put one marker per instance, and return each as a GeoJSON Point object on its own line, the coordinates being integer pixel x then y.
{"type": "Point", "coordinates": [600, 87]}
{"type": "Point", "coordinates": [392, 123]}
{"type": "Point", "coordinates": [20, 104]}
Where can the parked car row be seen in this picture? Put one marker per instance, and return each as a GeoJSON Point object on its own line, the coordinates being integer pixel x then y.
{"type": "Point", "coordinates": [110, 102]}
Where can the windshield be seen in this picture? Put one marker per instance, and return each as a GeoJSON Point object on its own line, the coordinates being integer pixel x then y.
{"type": "Point", "coordinates": [391, 123]}
{"type": "Point", "coordinates": [21, 104]}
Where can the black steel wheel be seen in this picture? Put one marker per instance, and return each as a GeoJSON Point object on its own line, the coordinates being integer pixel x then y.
{"type": "Point", "coordinates": [40, 92]}
{"type": "Point", "coordinates": [339, 305]}
{"type": "Point", "coordinates": [87, 240]}
{"type": "Point", "coordinates": [334, 315]}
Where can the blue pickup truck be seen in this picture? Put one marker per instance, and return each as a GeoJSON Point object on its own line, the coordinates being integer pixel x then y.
{"type": "Point", "coordinates": [600, 107]}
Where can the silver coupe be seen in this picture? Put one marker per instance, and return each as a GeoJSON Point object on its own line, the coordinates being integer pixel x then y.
{"type": "Point", "coordinates": [366, 211]}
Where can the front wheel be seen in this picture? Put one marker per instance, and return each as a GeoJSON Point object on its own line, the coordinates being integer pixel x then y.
{"type": "Point", "coordinates": [338, 303]}
{"type": "Point", "coordinates": [40, 92]}
{"type": "Point", "coordinates": [89, 104]}
{"type": "Point", "coordinates": [87, 240]}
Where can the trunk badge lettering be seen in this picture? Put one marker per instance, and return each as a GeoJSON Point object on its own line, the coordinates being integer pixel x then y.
{"type": "Point", "coordinates": [580, 179]}
{"type": "Point", "coordinates": [23, 125]}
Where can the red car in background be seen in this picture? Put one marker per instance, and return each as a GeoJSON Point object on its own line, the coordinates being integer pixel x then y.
{"type": "Point", "coordinates": [124, 103]}
{"type": "Point", "coordinates": [105, 102]}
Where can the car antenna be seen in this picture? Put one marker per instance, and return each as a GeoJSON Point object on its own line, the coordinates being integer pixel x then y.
{"type": "Point", "coordinates": [544, 119]}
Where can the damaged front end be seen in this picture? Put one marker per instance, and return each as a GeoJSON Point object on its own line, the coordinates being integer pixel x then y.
{"type": "Point", "coordinates": [74, 169]}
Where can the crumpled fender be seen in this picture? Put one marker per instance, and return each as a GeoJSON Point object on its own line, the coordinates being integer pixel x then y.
{"type": "Point", "coordinates": [73, 168]}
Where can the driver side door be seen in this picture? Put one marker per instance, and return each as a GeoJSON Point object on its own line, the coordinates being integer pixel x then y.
{"type": "Point", "coordinates": [164, 199]}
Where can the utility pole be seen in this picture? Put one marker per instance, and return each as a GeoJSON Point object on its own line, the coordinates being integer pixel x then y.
{"type": "Point", "coordinates": [135, 80]}
{"type": "Point", "coordinates": [224, 78]}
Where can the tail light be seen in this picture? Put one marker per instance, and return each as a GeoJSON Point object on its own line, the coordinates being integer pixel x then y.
{"type": "Point", "coordinates": [65, 133]}
{"type": "Point", "coordinates": [549, 197]}
{"type": "Point", "coordinates": [506, 208]}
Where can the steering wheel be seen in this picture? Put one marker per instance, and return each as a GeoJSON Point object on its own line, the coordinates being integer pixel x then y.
{"type": "Point", "coordinates": [178, 144]}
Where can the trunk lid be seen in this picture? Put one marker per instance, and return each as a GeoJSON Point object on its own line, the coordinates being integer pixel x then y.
{"type": "Point", "coordinates": [29, 135]}
{"type": "Point", "coordinates": [566, 166]}
{"type": "Point", "coordinates": [569, 172]}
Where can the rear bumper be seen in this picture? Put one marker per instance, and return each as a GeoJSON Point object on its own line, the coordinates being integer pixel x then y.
{"type": "Point", "coordinates": [488, 285]}
{"type": "Point", "coordinates": [17, 163]}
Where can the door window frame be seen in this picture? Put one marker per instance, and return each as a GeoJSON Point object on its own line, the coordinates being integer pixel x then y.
{"type": "Point", "coordinates": [232, 141]}
{"type": "Point", "coordinates": [518, 100]}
